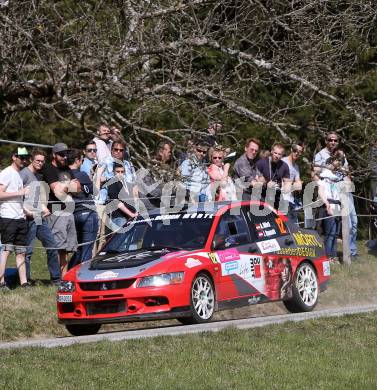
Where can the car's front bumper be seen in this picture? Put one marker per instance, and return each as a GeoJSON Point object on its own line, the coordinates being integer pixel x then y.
{"type": "Point", "coordinates": [123, 305]}
{"type": "Point", "coordinates": [178, 312]}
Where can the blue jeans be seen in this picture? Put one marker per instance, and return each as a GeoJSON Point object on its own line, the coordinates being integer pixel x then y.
{"type": "Point", "coordinates": [331, 229]}
{"type": "Point", "coordinates": [353, 226]}
{"type": "Point", "coordinates": [44, 234]}
{"type": "Point", "coordinates": [86, 227]}
{"type": "Point", "coordinates": [119, 221]}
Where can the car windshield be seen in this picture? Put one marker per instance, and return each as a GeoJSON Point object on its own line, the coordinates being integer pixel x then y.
{"type": "Point", "coordinates": [172, 231]}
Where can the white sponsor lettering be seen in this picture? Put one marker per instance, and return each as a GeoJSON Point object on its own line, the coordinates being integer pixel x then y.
{"type": "Point", "coordinates": [190, 262]}
{"type": "Point", "coordinates": [268, 246]}
{"type": "Point", "coordinates": [270, 232]}
{"type": "Point", "coordinates": [107, 275]}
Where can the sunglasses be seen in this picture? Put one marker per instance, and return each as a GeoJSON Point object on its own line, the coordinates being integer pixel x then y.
{"type": "Point", "coordinates": [118, 150]}
{"type": "Point", "coordinates": [22, 157]}
{"type": "Point", "coordinates": [91, 150]}
{"type": "Point", "coordinates": [217, 158]}
{"type": "Point", "coordinates": [62, 154]}
{"type": "Point", "coordinates": [297, 151]}
{"type": "Point", "coordinates": [201, 151]}
{"type": "Point", "coordinates": [332, 140]}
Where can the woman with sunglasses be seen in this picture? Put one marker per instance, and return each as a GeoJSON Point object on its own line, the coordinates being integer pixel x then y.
{"type": "Point", "coordinates": [221, 186]}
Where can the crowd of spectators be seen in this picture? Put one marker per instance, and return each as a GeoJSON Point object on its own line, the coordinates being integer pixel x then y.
{"type": "Point", "coordinates": [73, 198]}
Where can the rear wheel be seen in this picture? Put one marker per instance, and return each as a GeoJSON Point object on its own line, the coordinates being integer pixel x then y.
{"type": "Point", "coordinates": [202, 301]}
{"type": "Point", "coordinates": [304, 289]}
{"type": "Point", "coordinates": [83, 329]}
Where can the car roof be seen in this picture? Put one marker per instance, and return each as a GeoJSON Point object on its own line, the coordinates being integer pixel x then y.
{"type": "Point", "coordinates": [206, 207]}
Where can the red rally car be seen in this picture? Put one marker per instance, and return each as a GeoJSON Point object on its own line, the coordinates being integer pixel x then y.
{"type": "Point", "coordinates": [189, 264]}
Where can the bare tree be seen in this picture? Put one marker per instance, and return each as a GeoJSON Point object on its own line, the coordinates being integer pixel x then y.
{"type": "Point", "coordinates": [131, 62]}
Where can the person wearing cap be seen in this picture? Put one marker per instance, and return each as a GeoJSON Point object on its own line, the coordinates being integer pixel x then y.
{"type": "Point", "coordinates": [62, 183]}
{"type": "Point", "coordinates": [13, 224]}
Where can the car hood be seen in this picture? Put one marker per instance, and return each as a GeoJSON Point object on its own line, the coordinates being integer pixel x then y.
{"type": "Point", "coordinates": [123, 265]}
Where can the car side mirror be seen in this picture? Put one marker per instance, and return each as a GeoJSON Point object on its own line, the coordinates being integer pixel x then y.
{"type": "Point", "coordinates": [218, 242]}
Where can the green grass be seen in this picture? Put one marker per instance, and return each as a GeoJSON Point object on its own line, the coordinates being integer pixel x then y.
{"type": "Point", "coordinates": [337, 353]}
{"type": "Point", "coordinates": [32, 313]}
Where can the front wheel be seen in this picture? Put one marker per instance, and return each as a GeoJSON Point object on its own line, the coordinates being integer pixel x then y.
{"type": "Point", "coordinates": [304, 289]}
{"type": "Point", "coordinates": [83, 329]}
{"type": "Point", "coordinates": [202, 301]}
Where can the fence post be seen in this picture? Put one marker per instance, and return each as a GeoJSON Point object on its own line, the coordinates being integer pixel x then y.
{"type": "Point", "coordinates": [346, 188]}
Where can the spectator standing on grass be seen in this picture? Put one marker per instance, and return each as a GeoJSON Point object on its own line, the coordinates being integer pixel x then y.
{"type": "Point", "coordinates": [245, 168]}
{"type": "Point", "coordinates": [36, 211]}
{"type": "Point", "coordinates": [329, 193]}
{"type": "Point", "coordinates": [222, 186]}
{"type": "Point", "coordinates": [62, 185]}
{"type": "Point", "coordinates": [194, 173]}
{"type": "Point", "coordinates": [86, 219]}
{"type": "Point", "coordinates": [344, 176]}
{"type": "Point", "coordinates": [13, 225]}
{"type": "Point", "coordinates": [276, 173]}
{"type": "Point", "coordinates": [105, 172]}
{"type": "Point", "coordinates": [297, 149]}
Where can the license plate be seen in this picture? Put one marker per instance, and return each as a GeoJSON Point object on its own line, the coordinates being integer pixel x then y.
{"type": "Point", "coordinates": [65, 298]}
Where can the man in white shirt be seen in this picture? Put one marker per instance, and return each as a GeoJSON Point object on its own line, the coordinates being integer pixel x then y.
{"type": "Point", "coordinates": [194, 173]}
{"type": "Point", "coordinates": [103, 142]}
{"type": "Point", "coordinates": [13, 225]}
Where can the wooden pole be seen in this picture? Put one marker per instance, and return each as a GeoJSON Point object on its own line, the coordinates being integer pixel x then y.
{"type": "Point", "coordinates": [345, 211]}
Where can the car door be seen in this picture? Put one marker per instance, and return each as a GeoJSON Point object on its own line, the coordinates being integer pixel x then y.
{"type": "Point", "coordinates": [231, 247]}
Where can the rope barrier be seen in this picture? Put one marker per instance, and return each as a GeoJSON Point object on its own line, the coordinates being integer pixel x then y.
{"type": "Point", "coordinates": [78, 245]}
{"type": "Point", "coordinates": [6, 141]}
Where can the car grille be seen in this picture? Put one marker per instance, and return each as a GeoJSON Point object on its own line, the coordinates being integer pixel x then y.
{"type": "Point", "coordinates": [108, 285]}
{"type": "Point", "coordinates": [105, 307]}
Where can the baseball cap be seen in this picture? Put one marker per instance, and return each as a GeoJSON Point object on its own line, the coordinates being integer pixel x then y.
{"type": "Point", "coordinates": [21, 151]}
{"type": "Point", "coordinates": [60, 147]}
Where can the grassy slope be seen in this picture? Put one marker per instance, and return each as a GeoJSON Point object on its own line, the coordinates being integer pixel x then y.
{"type": "Point", "coordinates": [32, 313]}
{"type": "Point", "coordinates": [335, 353]}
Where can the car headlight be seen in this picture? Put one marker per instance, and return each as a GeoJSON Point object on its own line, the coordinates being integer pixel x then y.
{"type": "Point", "coordinates": [161, 280]}
{"type": "Point", "coordinates": [66, 286]}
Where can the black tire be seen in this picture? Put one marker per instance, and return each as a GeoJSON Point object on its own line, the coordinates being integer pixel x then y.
{"type": "Point", "coordinates": [202, 301]}
{"type": "Point", "coordinates": [83, 329]}
{"type": "Point", "coordinates": [305, 290]}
